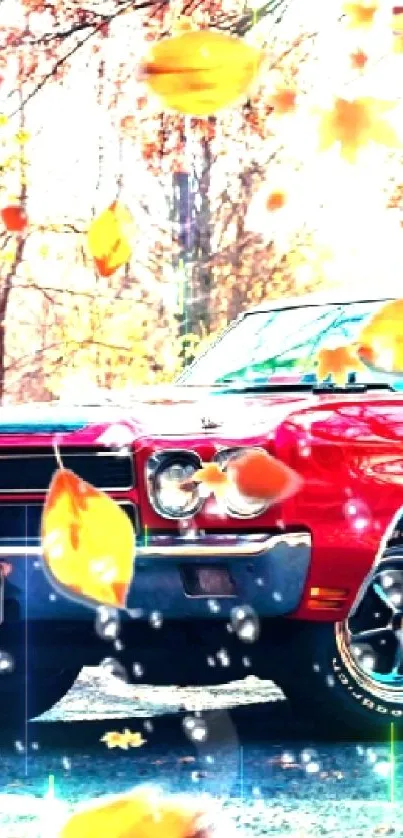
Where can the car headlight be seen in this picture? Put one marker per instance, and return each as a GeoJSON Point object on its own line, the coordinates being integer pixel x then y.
{"type": "Point", "coordinates": [238, 505]}
{"type": "Point", "coordinates": [166, 471]}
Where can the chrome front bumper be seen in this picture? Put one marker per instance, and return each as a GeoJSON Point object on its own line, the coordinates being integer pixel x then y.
{"type": "Point", "coordinates": [267, 572]}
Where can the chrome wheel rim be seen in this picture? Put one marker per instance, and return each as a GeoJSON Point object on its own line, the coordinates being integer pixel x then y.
{"type": "Point", "coordinates": [370, 640]}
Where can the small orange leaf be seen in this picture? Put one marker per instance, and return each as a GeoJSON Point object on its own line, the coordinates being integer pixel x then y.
{"type": "Point", "coordinates": [361, 15]}
{"type": "Point", "coordinates": [276, 200]}
{"type": "Point", "coordinates": [88, 541]}
{"type": "Point", "coordinates": [355, 124]}
{"type": "Point", "coordinates": [337, 362]}
{"type": "Point", "coordinates": [283, 100]}
{"type": "Point", "coordinates": [14, 218]}
{"type": "Point", "coordinates": [359, 59]}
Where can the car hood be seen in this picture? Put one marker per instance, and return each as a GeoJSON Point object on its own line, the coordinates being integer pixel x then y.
{"type": "Point", "coordinates": [187, 412]}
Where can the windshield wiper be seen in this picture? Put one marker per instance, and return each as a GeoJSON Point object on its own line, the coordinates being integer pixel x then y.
{"type": "Point", "coordinates": [230, 386]}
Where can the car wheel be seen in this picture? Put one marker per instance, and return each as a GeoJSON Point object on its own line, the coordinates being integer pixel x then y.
{"type": "Point", "coordinates": [24, 697]}
{"type": "Point", "coordinates": [348, 676]}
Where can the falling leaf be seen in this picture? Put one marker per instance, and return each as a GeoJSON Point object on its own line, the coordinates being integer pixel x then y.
{"type": "Point", "coordinates": [361, 15]}
{"type": "Point", "coordinates": [109, 238]}
{"type": "Point", "coordinates": [142, 813]}
{"type": "Point", "coordinates": [201, 72]}
{"type": "Point", "coordinates": [259, 476]}
{"type": "Point", "coordinates": [283, 100]}
{"type": "Point", "coordinates": [124, 740]}
{"type": "Point", "coordinates": [355, 124]}
{"type": "Point", "coordinates": [380, 343]}
{"type": "Point", "coordinates": [276, 200]}
{"type": "Point", "coordinates": [14, 218]}
{"type": "Point", "coordinates": [337, 362]}
{"type": "Point", "coordinates": [213, 478]}
{"type": "Point", "coordinates": [88, 541]}
{"type": "Point", "coordinates": [115, 739]}
{"type": "Point", "coordinates": [359, 59]}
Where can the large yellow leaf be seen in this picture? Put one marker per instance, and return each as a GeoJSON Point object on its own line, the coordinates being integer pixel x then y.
{"type": "Point", "coordinates": [201, 72]}
{"type": "Point", "coordinates": [88, 541]}
{"type": "Point", "coordinates": [140, 814]}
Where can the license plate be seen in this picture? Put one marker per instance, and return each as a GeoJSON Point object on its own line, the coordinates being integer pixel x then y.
{"type": "Point", "coordinates": [205, 580]}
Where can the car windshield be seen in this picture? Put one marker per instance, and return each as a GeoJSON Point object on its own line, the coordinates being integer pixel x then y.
{"type": "Point", "coordinates": [280, 346]}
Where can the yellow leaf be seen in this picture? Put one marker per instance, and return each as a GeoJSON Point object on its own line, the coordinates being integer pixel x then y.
{"type": "Point", "coordinates": [109, 238]}
{"type": "Point", "coordinates": [3, 119]}
{"type": "Point", "coordinates": [88, 541]}
{"type": "Point", "coordinates": [355, 124]}
{"type": "Point", "coordinates": [22, 137]}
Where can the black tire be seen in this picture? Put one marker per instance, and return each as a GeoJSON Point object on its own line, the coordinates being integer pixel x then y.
{"type": "Point", "coordinates": [322, 688]}
{"type": "Point", "coordinates": [24, 697]}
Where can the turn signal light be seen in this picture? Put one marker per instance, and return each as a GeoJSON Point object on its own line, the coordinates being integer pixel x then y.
{"type": "Point", "coordinates": [329, 598]}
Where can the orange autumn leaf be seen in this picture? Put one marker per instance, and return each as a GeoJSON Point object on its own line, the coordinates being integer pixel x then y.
{"type": "Point", "coordinates": [109, 238]}
{"type": "Point", "coordinates": [354, 124]}
{"type": "Point", "coordinates": [380, 343]}
{"type": "Point", "coordinates": [276, 200]}
{"type": "Point", "coordinates": [257, 475]}
{"type": "Point", "coordinates": [283, 100]}
{"type": "Point", "coordinates": [88, 541]}
{"type": "Point", "coordinates": [361, 15]}
{"type": "Point", "coordinates": [337, 362]}
{"type": "Point", "coordinates": [359, 59]}
{"type": "Point", "coordinates": [141, 813]}
{"type": "Point", "coordinates": [213, 478]}
{"type": "Point", "coordinates": [14, 218]}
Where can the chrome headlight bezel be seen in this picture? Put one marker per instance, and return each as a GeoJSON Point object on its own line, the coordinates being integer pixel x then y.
{"type": "Point", "coordinates": [159, 462]}
{"type": "Point", "coordinates": [249, 511]}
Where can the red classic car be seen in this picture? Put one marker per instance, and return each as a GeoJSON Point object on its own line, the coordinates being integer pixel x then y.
{"type": "Point", "coordinates": [308, 591]}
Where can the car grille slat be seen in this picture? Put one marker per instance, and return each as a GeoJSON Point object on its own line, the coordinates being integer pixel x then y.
{"type": "Point", "coordinates": [20, 523]}
{"type": "Point", "coordinates": [31, 469]}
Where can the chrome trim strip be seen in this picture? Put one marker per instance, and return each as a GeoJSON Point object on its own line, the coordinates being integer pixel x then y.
{"type": "Point", "coordinates": [206, 546]}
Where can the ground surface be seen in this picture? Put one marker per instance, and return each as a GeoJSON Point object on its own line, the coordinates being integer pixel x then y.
{"type": "Point", "coordinates": [264, 765]}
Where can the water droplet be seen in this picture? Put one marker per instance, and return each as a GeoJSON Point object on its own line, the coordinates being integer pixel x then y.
{"type": "Point", "coordinates": [371, 756]}
{"type": "Point", "coordinates": [19, 747]}
{"type": "Point", "coordinates": [118, 645]}
{"type": "Point", "coordinates": [330, 680]}
{"type": "Point", "coordinates": [277, 596]}
{"type": "Point", "coordinates": [195, 776]}
{"type": "Point", "coordinates": [229, 628]}
{"type": "Point", "coordinates": [210, 660]}
{"type": "Point", "coordinates": [156, 619]}
{"type": "Point", "coordinates": [138, 670]}
{"type": "Point", "coordinates": [213, 606]}
{"type": "Point", "coordinates": [382, 769]}
{"type": "Point", "coordinates": [358, 514]}
{"type": "Point", "coordinates": [312, 767]}
{"type": "Point", "coordinates": [256, 791]}
{"type": "Point", "coordinates": [66, 763]}
{"type": "Point", "coordinates": [114, 668]}
{"type": "Point", "coordinates": [135, 613]}
{"type": "Point", "coordinates": [246, 661]}
{"type": "Point", "coordinates": [52, 597]}
{"type": "Point", "coordinates": [308, 754]}
{"type": "Point", "coordinates": [148, 725]}
{"type": "Point", "coordinates": [35, 746]}
{"type": "Point", "coordinates": [245, 623]}
{"type": "Point", "coordinates": [316, 667]}
{"type": "Point", "coordinates": [6, 663]}
{"type": "Point", "coordinates": [223, 657]}
{"type": "Point", "coordinates": [360, 750]}
{"type": "Point", "coordinates": [36, 564]}
{"type": "Point", "coordinates": [287, 758]}
{"type": "Point", "coordinates": [107, 623]}
{"type": "Point", "coordinates": [195, 728]}
{"type": "Point", "coordinates": [259, 581]}
{"type": "Point", "coordinates": [209, 759]}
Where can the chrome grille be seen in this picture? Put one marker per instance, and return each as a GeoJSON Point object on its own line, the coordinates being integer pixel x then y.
{"type": "Point", "coordinates": [31, 469]}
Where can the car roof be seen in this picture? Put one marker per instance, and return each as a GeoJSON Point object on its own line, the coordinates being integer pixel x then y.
{"type": "Point", "coordinates": [329, 298]}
